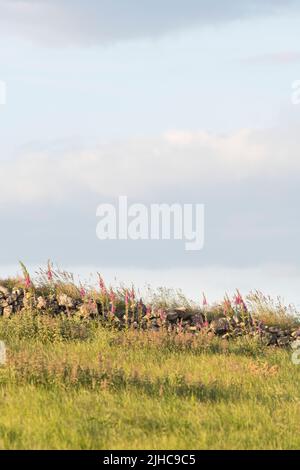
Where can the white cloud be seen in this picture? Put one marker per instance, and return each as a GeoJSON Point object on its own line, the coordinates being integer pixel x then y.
{"type": "Point", "coordinates": [106, 21]}
{"type": "Point", "coordinates": [144, 167]}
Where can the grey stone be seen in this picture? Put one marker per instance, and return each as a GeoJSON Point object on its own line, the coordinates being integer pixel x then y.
{"type": "Point", "coordinates": [283, 341]}
{"type": "Point", "coordinates": [65, 301]}
{"type": "Point", "coordinates": [4, 290]}
{"type": "Point", "coordinates": [172, 316]}
{"type": "Point", "coordinates": [220, 326]}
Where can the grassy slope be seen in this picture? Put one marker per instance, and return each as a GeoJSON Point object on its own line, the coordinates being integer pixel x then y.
{"type": "Point", "coordinates": [68, 385]}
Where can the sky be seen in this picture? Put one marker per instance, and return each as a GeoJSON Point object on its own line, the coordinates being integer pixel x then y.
{"type": "Point", "coordinates": [186, 102]}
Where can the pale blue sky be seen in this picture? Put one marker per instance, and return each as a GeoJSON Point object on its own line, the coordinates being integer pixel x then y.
{"type": "Point", "coordinates": [218, 79]}
{"type": "Point", "coordinates": [95, 86]}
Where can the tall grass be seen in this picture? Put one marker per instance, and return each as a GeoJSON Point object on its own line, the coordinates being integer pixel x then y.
{"type": "Point", "coordinates": [73, 384]}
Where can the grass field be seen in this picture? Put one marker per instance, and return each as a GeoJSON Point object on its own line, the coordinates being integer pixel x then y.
{"type": "Point", "coordinates": [73, 384]}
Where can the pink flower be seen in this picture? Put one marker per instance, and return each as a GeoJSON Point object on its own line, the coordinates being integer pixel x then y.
{"type": "Point", "coordinates": [204, 302]}
{"type": "Point", "coordinates": [27, 281]}
{"type": "Point", "coordinates": [126, 298]}
{"type": "Point", "coordinates": [112, 297]}
{"type": "Point", "coordinates": [26, 276]}
{"type": "Point", "coordinates": [82, 292]}
{"type": "Point", "coordinates": [102, 285]}
{"type": "Point", "coordinates": [162, 314]}
{"type": "Point", "coordinates": [49, 272]}
{"type": "Point", "coordinates": [238, 299]}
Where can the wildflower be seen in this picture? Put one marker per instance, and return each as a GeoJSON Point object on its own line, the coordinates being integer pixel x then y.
{"type": "Point", "coordinates": [162, 314]}
{"type": "Point", "coordinates": [126, 298]}
{"type": "Point", "coordinates": [112, 297]}
{"type": "Point", "coordinates": [26, 275]}
{"type": "Point", "coordinates": [82, 292]}
{"type": "Point", "coordinates": [204, 302]}
{"type": "Point", "coordinates": [27, 281]}
{"type": "Point", "coordinates": [49, 272]}
{"type": "Point", "coordinates": [238, 299]}
{"type": "Point", "coordinates": [102, 285]}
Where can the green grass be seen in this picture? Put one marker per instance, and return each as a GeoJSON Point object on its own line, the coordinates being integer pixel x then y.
{"type": "Point", "coordinates": [70, 384]}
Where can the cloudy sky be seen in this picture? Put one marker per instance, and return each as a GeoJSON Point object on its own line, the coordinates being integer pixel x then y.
{"type": "Point", "coordinates": [162, 101]}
